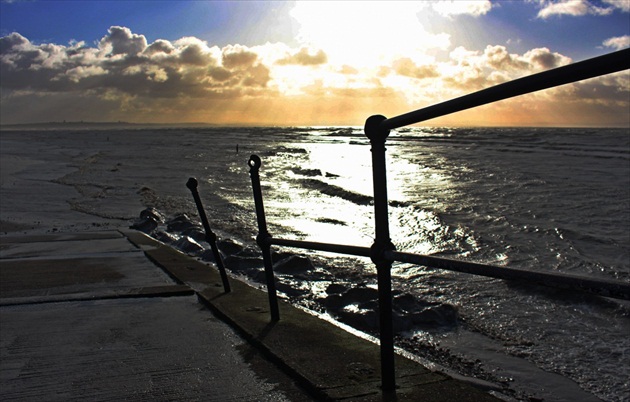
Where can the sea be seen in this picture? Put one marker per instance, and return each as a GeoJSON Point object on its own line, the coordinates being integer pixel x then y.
{"type": "Point", "coordinates": [539, 199]}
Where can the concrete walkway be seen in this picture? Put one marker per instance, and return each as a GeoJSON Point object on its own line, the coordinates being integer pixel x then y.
{"type": "Point", "coordinates": [117, 315]}
{"type": "Point", "coordinates": [89, 317]}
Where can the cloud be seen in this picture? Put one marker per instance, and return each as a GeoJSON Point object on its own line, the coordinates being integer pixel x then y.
{"type": "Point", "coordinates": [406, 67]}
{"type": "Point", "coordinates": [14, 40]}
{"type": "Point", "coordinates": [304, 57]}
{"type": "Point", "coordinates": [194, 52]}
{"type": "Point", "coordinates": [544, 59]}
{"type": "Point", "coordinates": [576, 8]}
{"type": "Point", "coordinates": [474, 8]}
{"type": "Point", "coordinates": [238, 57]}
{"type": "Point", "coordinates": [123, 77]}
{"type": "Point", "coordinates": [623, 5]}
{"type": "Point", "coordinates": [220, 73]}
{"type": "Point", "coordinates": [473, 70]}
{"type": "Point", "coordinates": [122, 41]}
{"type": "Point", "coordinates": [618, 42]}
{"type": "Point", "coordinates": [78, 73]}
{"type": "Point", "coordinates": [158, 47]}
{"type": "Point", "coordinates": [606, 90]}
{"type": "Point", "coordinates": [346, 69]}
{"type": "Point", "coordinates": [124, 62]}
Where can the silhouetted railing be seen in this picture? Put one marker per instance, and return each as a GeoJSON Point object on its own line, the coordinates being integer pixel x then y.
{"type": "Point", "coordinates": [383, 253]}
{"type": "Point", "coordinates": [211, 237]}
{"type": "Point", "coordinates": [595, 67]}
{"type": "Point", "coordinates": [263, 236]}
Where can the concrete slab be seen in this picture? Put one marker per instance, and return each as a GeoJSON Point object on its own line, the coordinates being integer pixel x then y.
{"type": "Point", "coordinates": [70, 330]}
{"type": "Point", "coordinates": [87, 316]}
{"type": "Point", "coordinates": [65, 248]}
{"type": "Point", "coordinates": [141, 349]}
{"type": "Point", "coordinates": [36, 280]}
{"type": "Point", "coordinates": [36, 238]}
{"type": "Point", "coordinates": [332, 363]}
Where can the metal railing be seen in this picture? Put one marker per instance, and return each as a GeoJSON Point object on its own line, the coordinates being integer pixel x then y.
{"type": "Point", "coordinates": [383, 253]}
{"type": "Point", "coordinates": [211, 237]}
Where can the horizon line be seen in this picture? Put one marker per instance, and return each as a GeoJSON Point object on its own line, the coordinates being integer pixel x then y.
{"type": "Point", "coordinates": [218, 125]}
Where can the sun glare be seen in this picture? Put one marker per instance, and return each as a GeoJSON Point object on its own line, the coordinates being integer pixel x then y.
{"type": "Point", "coordinates": [365, 34]}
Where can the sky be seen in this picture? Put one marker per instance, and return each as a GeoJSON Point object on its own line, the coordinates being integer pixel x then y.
{"type": "Point", "coordinates": [305, 62]}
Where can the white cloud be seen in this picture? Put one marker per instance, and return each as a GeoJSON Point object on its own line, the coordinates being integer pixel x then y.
{"type": "Point", "coordinates": [576, 8]}
{"type": "Point", "coordinates": [464, 71]}
{"type": "Point", "coordinates": [122, 41]}
{"type": "Point", "coordinates": [623, 5]}
{"type": "Point", "coordinates": [160, 46]}
{"type": "Point", "coordinates": [124, 63]}
{"type": "Point", "coordinates": [618, 42]}
{"type": "Point", "coordinates": [544, 59]}
{"type": "Point", "coordinates": [462, 7]}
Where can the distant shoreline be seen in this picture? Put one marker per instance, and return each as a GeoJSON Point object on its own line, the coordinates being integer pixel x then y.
{"type": "Point", "coordinates": [82, 125]}
{"type": "Point", "coordinates": [95, 125]}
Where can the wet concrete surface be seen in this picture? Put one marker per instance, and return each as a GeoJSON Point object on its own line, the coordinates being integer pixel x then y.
{"type": "Point", "coordinates": [117, 315]}
{"type": "Point", "coordinates": [90, 319]}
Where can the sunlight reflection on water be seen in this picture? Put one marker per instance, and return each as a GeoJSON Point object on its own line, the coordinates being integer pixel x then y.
{"type": "Point", "coordinates": [534, 199]}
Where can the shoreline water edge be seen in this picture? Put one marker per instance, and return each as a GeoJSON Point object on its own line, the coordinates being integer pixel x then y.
{"type": "Point", "coordinates": [540, 199]}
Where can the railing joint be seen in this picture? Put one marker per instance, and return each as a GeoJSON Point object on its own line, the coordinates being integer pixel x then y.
{"type": "Point", "coordinates": [263, 240]}
{"type": "Point", "coordinates": [378, 251]}
{"type": "Point", "coordinates": [374, 131]}
{"type": "Point", "coordinates": [211, 237]}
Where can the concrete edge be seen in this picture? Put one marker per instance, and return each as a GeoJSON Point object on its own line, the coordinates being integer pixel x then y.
{"type": "Point", "coordinates": [145, 292]}
{"type": "Point", "coordinates": [52, 237]}
{"type": "Point", "coordinates": [326, 360]}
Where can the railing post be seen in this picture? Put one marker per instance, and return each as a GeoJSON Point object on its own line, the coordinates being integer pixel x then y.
{"type": "Point", "coordinates": [382, 242]}
{"type": "Point", "coordinates": [263, 238]}
{"type": "Point", "coordinates": [211, 238]}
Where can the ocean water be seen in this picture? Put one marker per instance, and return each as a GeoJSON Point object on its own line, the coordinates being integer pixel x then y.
{"type": "Point", "coordinates": [543, 199]}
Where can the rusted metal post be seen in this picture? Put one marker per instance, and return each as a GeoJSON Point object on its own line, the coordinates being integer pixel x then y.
{"type": "Point", "coordinates": [211, 237]}
{"type": "Point", "coordinates": [382, 242]}
{"type": "Point", "coordinates": [263, 238]}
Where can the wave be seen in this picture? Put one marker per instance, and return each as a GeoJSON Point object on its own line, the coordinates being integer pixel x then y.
{"type": "Point", "coordinates": [336, 191]}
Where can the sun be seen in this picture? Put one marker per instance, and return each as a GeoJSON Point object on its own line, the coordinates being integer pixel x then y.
{"type": "Point", "coordinates": [365, 34]}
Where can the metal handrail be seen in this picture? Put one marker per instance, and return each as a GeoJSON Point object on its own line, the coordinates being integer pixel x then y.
{"type": "Point", "coordinates": [383, 252]}
{"type": "Point", "coordinates": [597, 286]}
{"type": "Point", "coordinates": [600, 287]}
{"type": "Point", "coordinates": [328, 247]}
{"type": "Point", "coordinates": [606, 64]}
{"type": "Point", "coordinates": [210, 236]}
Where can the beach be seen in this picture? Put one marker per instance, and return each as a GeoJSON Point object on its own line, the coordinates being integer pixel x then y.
{"type": "Point", "coordinates": [529, 203]}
